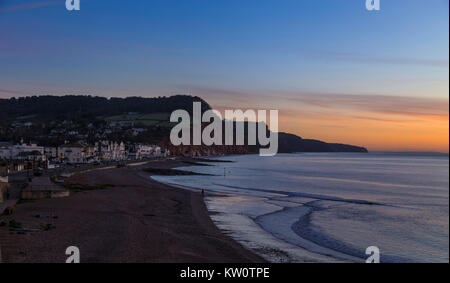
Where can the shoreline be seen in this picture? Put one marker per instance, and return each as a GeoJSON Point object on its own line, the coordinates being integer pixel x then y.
{"type": "Point", "coordinates": [263, 242]}
{"type": "Point", "coordinates": [241, 201]}
{"type": "Point", "coordinates": [136, 220]}
{"type": "Point", "coordinates": [253, 234]}
{"type": "Point", "coordinates": [250, 233]}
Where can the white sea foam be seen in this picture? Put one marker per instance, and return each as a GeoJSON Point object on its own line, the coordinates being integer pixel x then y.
{"type": "Point", "coordinates": [328, 207]}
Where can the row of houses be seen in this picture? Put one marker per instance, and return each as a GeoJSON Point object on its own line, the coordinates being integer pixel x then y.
{"type": "Point", "coordinates": [80, 153]}
{"type": "Point", "coordinates": [21, 151]}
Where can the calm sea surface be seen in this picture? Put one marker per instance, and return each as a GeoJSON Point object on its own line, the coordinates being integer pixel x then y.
{"type": "Point", "coordinates": [333, 205]}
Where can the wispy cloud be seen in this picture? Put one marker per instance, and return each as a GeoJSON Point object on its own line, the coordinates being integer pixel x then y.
{"type": "Point", "coordinates": [371, 59]}
{"type": "Point", "coordinates": [386, 104]}
{"type": "Point", "coordinates": [374, 105]}
{"type": "Point", "coordinates": [9, 92]}
{"type": "Point", "coordinates": [32, 5]}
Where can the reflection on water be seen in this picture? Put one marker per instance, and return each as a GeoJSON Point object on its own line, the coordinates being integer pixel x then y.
{"type": "Point", "coordinates": [335, 204]}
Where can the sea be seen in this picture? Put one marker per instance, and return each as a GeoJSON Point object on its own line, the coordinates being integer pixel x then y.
{"type": "Point", "coordinates": [329, 207]}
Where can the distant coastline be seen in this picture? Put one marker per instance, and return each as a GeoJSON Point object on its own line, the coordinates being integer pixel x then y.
{"type": "Point", "coordinates": [431, 153]}
{"type": "Point", "coordinates": [53, 121]}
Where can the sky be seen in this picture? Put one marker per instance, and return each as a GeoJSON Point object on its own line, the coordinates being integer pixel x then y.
{"type": "Point", "coordinates": [334, 70]}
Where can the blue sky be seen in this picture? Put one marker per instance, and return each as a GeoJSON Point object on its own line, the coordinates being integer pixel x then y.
{"type": "Point", "coordinates": [234, 53]}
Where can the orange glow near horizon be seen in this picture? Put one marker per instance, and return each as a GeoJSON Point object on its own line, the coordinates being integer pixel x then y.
{"type": "Point", "coordinates": [379, 123]}
{"type": "Point", "coordinates": [375, 135]}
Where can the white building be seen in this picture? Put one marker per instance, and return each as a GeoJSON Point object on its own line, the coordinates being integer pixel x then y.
{"type": "Point", "coordinates": [147, 151]}
{"type": "Point", "coordinates": [107, 150]}
{"type": "Point", "coordinates": [51, 152]}
{"type": "Point", "coordinates": [22, 151]}
{"type": "Point", "coordinates": [30, 147]}
{"type": "Point", "coordinates": [117, 151]}
{"type": "Point", "coordinates": [77, 153]}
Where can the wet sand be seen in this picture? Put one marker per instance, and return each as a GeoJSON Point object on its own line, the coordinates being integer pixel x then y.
{"type": "Point", "coordinates": [137, 220]}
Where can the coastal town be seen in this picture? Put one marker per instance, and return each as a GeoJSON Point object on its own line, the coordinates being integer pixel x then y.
{"type": "Point", "coordinates": [30, 147]}
{"type": "Point", "coordinates": [46, 139]}
{"type": "Point", "coordinates": [17, 155]}
{"type": "Point", "coordinates": [33, 159]}
{"type": "Point", "coordinates": [49, 137]}
{"type": "Point", "coordinates": [79, 176]}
